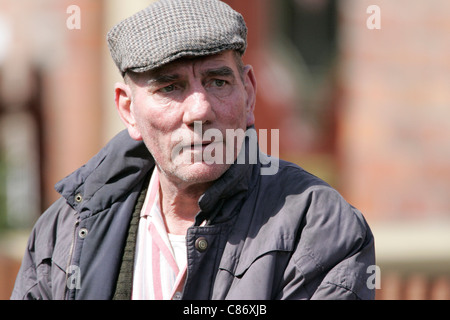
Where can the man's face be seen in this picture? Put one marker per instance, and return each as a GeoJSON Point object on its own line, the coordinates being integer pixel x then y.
{"type": "Point", "coordinates": [165, 105]}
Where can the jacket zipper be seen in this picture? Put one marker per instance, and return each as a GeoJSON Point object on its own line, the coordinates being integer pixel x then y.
{"type": "Point", "coordinates": [69, 262]}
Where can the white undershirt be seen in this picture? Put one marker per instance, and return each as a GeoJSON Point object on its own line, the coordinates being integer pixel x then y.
{"type": "Point", "coordinates": [178, 243]}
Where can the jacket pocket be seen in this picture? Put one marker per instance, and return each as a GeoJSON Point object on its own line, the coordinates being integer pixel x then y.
{"type": "Point", "coordinates": [273, 250]}
{"type": "Point", "coordinates": [254, 271]}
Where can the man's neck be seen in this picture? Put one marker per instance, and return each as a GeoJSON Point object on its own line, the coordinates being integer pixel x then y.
{"type": "Point", "coordinates": [179, 203]}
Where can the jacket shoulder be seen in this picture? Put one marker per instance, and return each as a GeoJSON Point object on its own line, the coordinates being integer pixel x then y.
{"type": "Point", "coordinates": [56, 222]}
{"type": "Point", "coordinates": [103, 180]}
{"type": "Point", "coordinates": [334, 244]}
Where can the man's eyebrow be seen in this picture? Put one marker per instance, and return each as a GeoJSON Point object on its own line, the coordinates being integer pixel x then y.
{"type": "Point", "coordinates": [162, 78]}
{"type": "Point", "coordinates": [219, 72]}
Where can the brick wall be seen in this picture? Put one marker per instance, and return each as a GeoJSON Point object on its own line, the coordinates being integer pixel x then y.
{"type": "Point", "coordinates": [394, 116]}
{"type": "Point", "coordinates": [394, 138]}
{"type": "Point", "coordinates": [9, 268]}
{"type": "Point", "coordinates": [72, 95]}
{"type": "Point", "coordinates": [67, 62]}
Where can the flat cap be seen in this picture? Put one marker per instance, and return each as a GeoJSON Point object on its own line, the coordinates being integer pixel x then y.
{"type": "Point", "coordinates": [171, 29]}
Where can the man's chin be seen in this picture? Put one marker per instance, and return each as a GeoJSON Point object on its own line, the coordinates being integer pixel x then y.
{"type": "Point", "coordinates": [201, 172]}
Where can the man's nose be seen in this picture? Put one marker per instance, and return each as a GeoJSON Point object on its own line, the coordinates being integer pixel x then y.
{"type": "Point", "coordinates": [198, 107]}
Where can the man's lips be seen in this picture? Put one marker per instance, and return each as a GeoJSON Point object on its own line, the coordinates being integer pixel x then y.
{"type": "Point", "coordinates": [203, 144]}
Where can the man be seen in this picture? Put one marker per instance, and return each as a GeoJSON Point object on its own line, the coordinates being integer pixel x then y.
{"type": "Point", "coordinates": [162, 213]}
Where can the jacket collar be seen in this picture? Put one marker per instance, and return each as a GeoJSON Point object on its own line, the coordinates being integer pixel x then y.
{"type": "Point", "coordinates": [108, 176]}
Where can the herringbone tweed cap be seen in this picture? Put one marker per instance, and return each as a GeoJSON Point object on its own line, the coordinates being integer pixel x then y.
{"type": "Point", "coordinates": [170, 29]}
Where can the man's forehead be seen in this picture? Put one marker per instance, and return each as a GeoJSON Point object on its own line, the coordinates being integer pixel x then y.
{"type": "Point", "coordinates": [202, 63]}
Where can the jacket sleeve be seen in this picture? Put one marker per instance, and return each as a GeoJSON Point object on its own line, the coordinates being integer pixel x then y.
{"type": "Point", "coordinates": [42, 272]}
{"type": "Point", "coordinates": [334, 252]}
{"type": "Point", "coordinates": [350, 278]}
{"type": "Point", "coordinates": [32, 282]}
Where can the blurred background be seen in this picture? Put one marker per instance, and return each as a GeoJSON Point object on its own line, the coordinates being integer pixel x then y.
{"type": "Point", "coordinates": [361, 99]}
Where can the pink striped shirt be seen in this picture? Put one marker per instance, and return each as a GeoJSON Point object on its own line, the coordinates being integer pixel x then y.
{"type": "Point", "coordinates": [157, 275]}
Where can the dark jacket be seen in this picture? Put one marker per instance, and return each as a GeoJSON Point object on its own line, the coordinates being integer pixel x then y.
{"type": "Point", "coordinates": [282, 236]}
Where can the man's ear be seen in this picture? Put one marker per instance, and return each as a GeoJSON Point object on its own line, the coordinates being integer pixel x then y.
{"type": "Point", "coordinates": [250, 88]}
{"type": "Point", "coordinates": [124, 105]}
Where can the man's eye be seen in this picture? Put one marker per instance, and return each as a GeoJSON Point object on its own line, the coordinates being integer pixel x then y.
{"type": "Point", "coordinates": [167, 89]}
{"type": "Point", "coordinates": [219, 83]}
